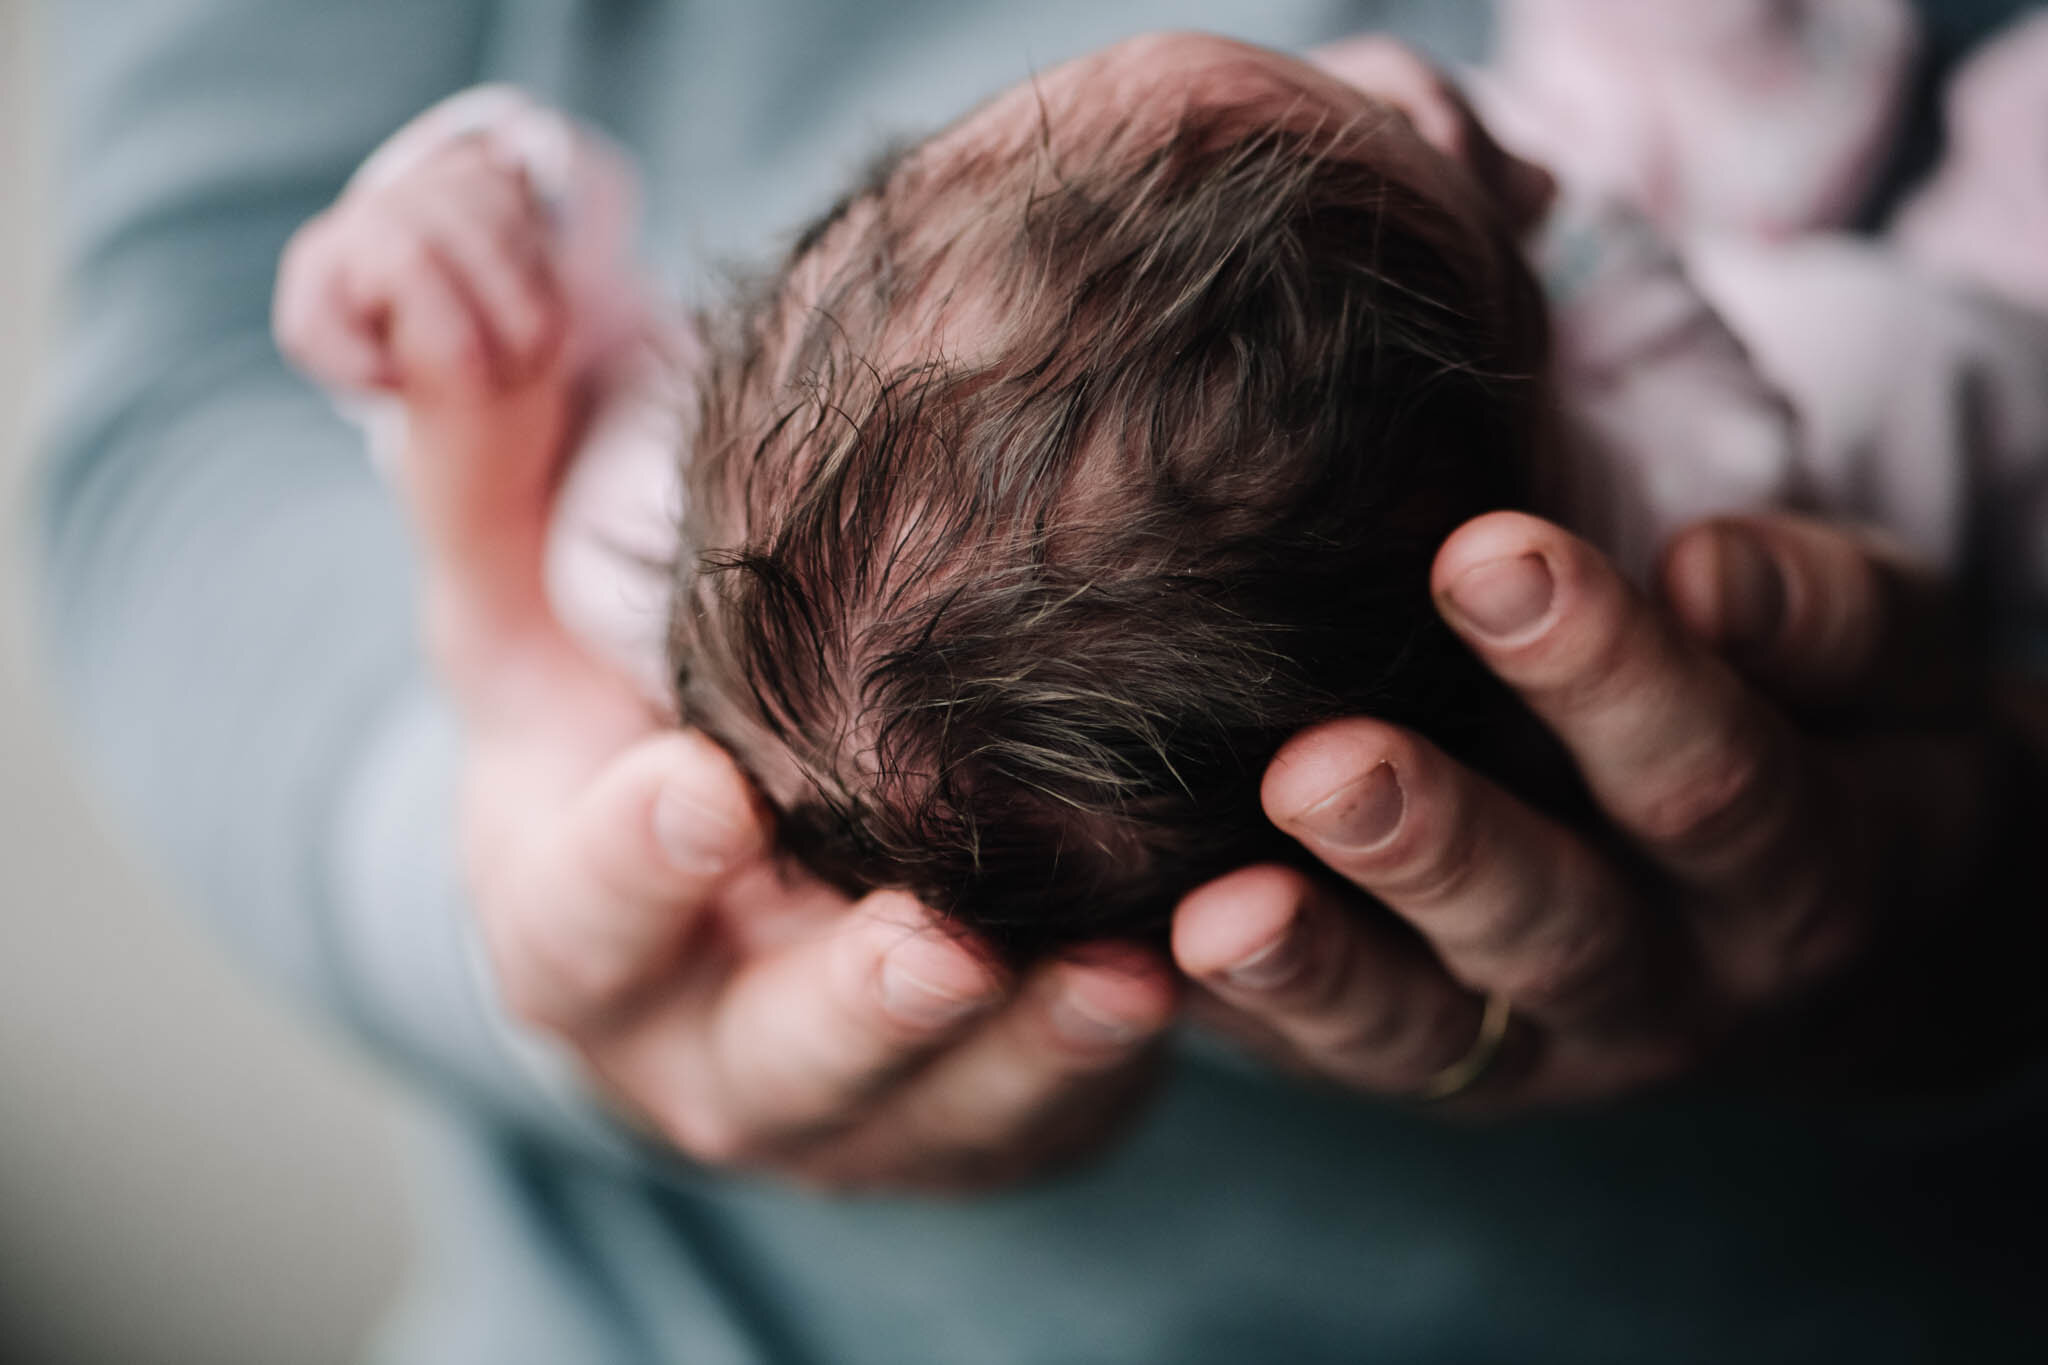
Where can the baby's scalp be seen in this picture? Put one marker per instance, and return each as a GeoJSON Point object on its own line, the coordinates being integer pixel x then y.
{"type": "Point", "coordinates": [1078, 457]}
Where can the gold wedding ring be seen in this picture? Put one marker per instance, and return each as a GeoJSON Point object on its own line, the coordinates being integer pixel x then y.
{"type": "Point", "coordinates": [1464, 1073]}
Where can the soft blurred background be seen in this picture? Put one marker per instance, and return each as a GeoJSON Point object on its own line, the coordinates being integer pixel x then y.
{"type": "Point", "coordinates": [188, 1172]}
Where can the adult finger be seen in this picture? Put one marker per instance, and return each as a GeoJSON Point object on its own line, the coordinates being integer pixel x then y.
{"type": "Point", "coordinates": [619, 879]}
{"type": "Point", "coordinates": [1512, 902]}
{"type": "Point", "coordinates": [795, 1044]}
{"type": "Point", "coordinates": [1673, 745]}
{"type": "Point", "coordinates": [1827, 615]}
{"type": "Point", "coordinates": [1705, 777]}
{"type": "Point", "coordinates": [1037, 1083]}
{"type": "Point", "coordinates": [1071, 1025]}
{"type": "Point", "coordinates": [1356, 1001]}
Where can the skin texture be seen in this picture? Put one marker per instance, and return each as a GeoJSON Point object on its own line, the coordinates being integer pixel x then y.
{"type": "Point", "coordinates": [619, 872]}
{"type": "Point", "coordinates": [1815, 899]}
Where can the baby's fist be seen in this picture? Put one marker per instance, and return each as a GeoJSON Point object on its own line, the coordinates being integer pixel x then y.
{"type": "Point", "coordinates": [438, 282]}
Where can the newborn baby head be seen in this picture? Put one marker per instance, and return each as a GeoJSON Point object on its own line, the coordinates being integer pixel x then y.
{"type": "Point", "coordinates": [1079, 457]}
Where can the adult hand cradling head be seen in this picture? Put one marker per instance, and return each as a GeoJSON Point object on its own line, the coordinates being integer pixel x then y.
{"type": "Point", "coordinates": [629, 907]}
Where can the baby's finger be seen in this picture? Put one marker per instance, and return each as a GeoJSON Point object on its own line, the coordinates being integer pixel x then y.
{"type": "Point", "coordinates": [432, 335]}
{"type": "Point", "coordinates": [496, 239]}
{"type": "Point", "coordinates": [315, 324]}
{"type": "Point", "coordinates": [621, 880]}
{"type": "Point", "coordinates": [1512, 902]}
{"type": "Point", "coordinates": [1356, 1001]}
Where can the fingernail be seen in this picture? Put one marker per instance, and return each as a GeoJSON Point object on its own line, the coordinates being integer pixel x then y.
{"type": "Point", "coordinates": [1752, 590]}
{"type": "Point", "coordinates": [1360, 816]}
{"type": "Point", "coordinates": [1267, 969]}
{"type": "Point", "coordinates": [694, 837]}
{"type": "Point", "coordinates": [1089, 1025]}
{"type": "Point", "coordinates": [927, 985]}
{"type": "Point", "coordinates": [1505, 597]}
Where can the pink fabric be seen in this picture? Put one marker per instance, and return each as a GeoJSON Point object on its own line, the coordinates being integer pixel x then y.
{"type": "Point", "coordinates": [1760, 116]}
{"type": "Point", "coordinates": [1983, 218]}
{"type": "Point", "coordinates": [1861, 383]}
{"type": "Point", "coordinates": [1665, 417]}
{"type": "Point", "coordinates": [1923, 408]}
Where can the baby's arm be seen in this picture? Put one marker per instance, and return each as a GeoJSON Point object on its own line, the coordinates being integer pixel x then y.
{"type": "Point", "coordinates": [436, 284]}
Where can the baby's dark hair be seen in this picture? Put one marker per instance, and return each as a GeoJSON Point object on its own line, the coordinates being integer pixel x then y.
{"type": "Point", "coordinates": [1045, 492]}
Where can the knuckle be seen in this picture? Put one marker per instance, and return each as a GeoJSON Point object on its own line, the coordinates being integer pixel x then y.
{"type": "Point", "coordinates": [1595, 660]}
{"type": "Point", "coordinates": [470, 154]}
{"type": "Point", "coordinates": [452, 167]}
{"type": "Point", "coordinates": [1375, 1035]}
{"type": "Point", "coordinates": [1705, 797]}
{"type": "Point", "coordinates": [447, 354]}
{"type": "Point", "coordinates": [1420, 1043]}
{"type": "Point", "coordinates": [397, 243]}
{"type": "Point", "coordinates": [1309, 973]}
{"type": "Point", "coordinates": [1506, 930]}
{"type": "Point", "coordinates": [1549, 977]}
{"type": "Point", "coordinates": [1435, 861]}
{"type": "Point", "coordinates": [517, 233]}
{"type": "Point", "coordinates": [409, 254]}
{"type": "Point", "coordinates": [1319, 989]}
{"type": "Point", "coordinates": [1388, 1038]}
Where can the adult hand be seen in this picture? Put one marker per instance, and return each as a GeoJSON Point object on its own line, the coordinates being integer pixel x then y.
{"type": "Point", "coordinates": [1836, 899]}
{"type": "Point", "coordinates": [752, 1018]}
{"type": "Point", "coordinates": [619, 867]}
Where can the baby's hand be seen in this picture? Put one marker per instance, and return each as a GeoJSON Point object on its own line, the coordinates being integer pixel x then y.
{"type": "Point", "coordinates": [435, 280]}
{"type": "Point", "coordinates": [437, 283]}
